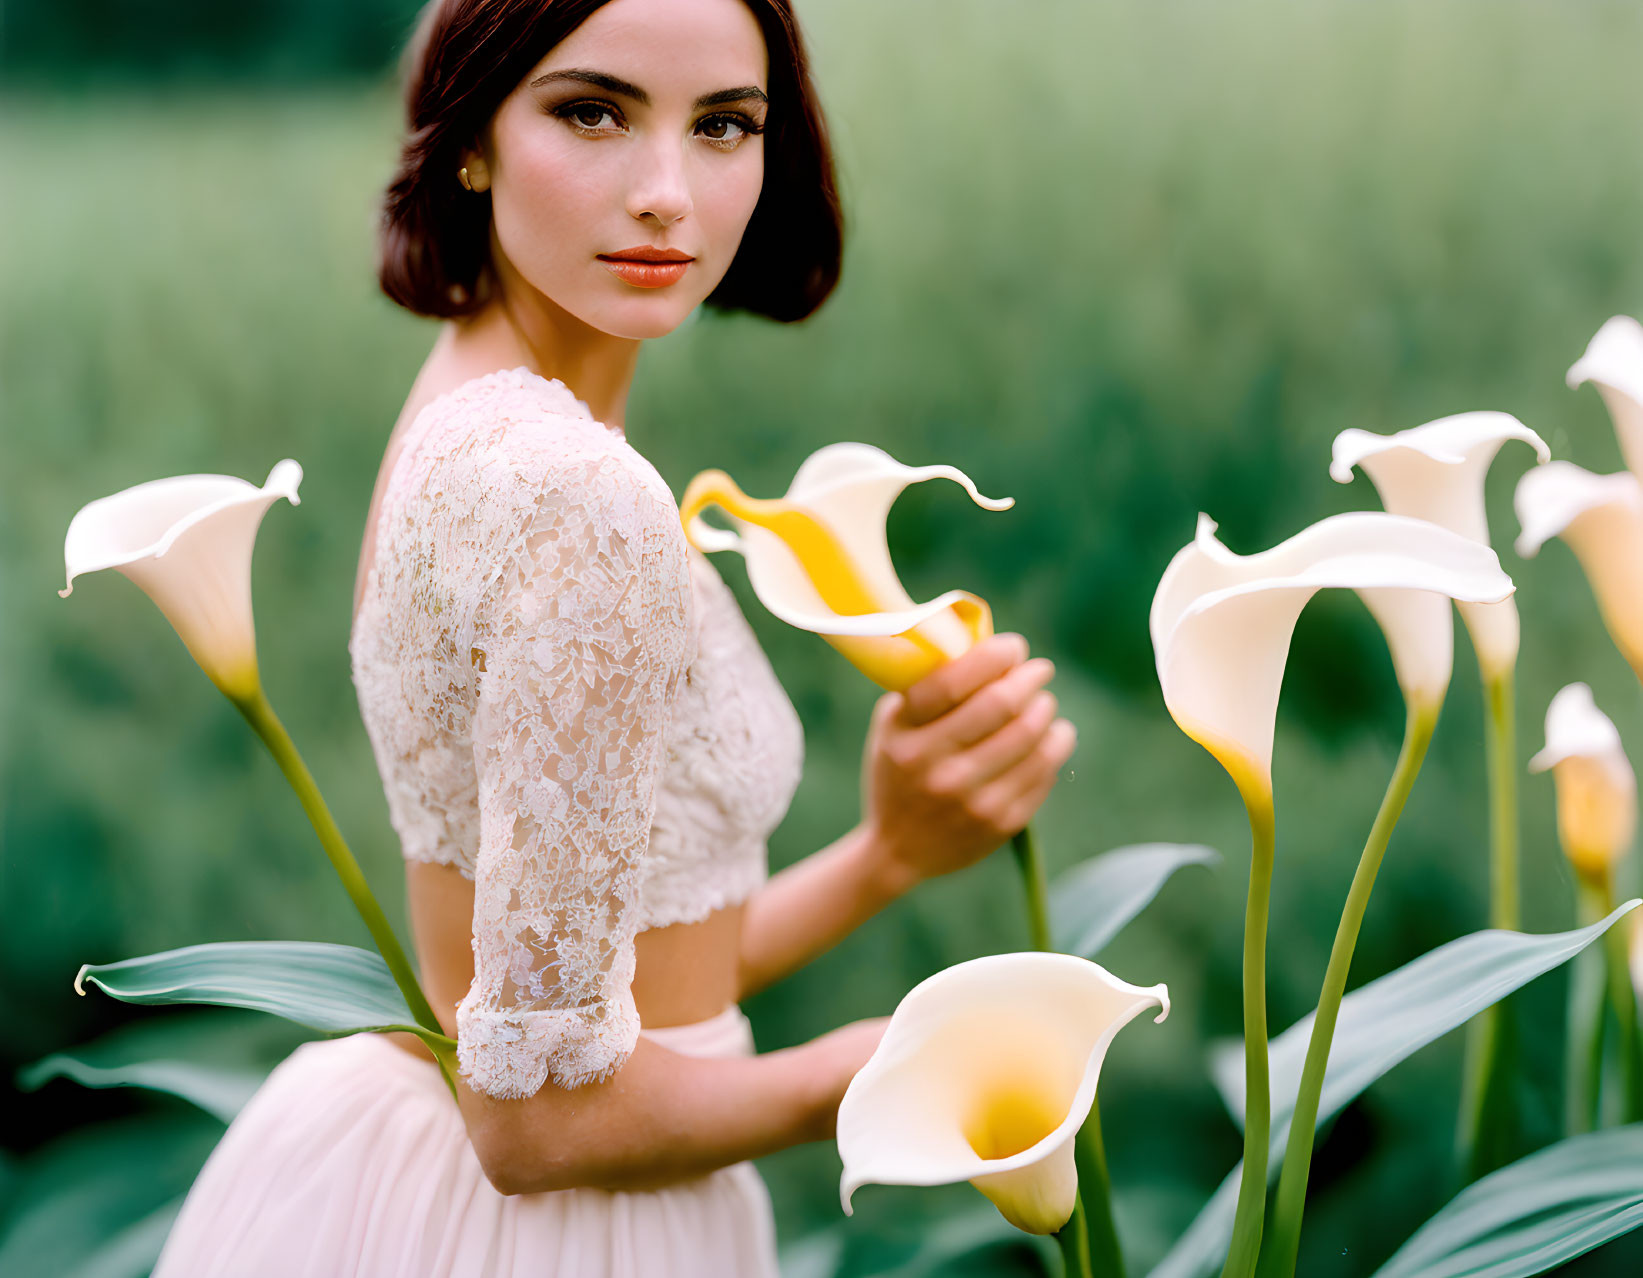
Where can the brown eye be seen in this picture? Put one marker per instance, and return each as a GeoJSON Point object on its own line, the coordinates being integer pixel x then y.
{"type": "Point", "coordinates": [724, 131]}
{"type": "Point", "coordinates": [587, 116]}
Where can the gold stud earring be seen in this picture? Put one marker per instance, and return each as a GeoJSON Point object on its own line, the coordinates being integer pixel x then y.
{"type": "Point", "coordinates": [462, 177]}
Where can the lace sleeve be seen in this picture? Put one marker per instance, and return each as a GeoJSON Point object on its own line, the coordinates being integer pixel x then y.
{"type": "Point", "coordinates": [579, 646]}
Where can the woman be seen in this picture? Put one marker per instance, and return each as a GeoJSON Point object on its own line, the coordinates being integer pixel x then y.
{"type": "Point", "coordinates": [583, 747]}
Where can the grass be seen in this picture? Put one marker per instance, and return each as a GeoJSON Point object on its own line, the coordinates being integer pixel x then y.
{"type": "Point", "coordinates": [1121, 261]}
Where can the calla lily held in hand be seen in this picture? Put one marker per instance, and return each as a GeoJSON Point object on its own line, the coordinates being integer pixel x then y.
{"type": "Point", "coordinates": [985, 1073]}
{"type": "Point", "coordinates": [1221, 622]}
{"type": "Point", "coordinates": [1596, 787]}
{"type": "Point", "coordinates": [1601, 518]}
{"type": "Point", "coordinates": [1614, 363]}
{"type": "Point", "coordinates": [1436, 472]}
{"type": "Point", "coordinates": [818, 559]}
{"type": "Point", "coordinates": [187, 541]}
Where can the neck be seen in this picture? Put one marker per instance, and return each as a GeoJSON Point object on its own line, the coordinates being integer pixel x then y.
{"type": "Point", "coordinates": [523, 326]}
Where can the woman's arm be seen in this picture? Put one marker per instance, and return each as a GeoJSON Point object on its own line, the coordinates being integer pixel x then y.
{"type": "Point", "coordinates": [660, 1117]}
{"type": "Point", "coordinates": [953, 767]}
{"type": "Point", "coordinates": [665, 1116]}
{"type": "Point", "coordinates": [813, 904]}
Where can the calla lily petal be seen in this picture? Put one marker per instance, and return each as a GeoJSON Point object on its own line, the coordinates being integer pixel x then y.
{"type": "Point", "coordinates": [1601, 518]}
{"type": "Point", "coordinates": [818, 559]}
{"type": "Point", "coordinates": [1436, 472]}
{"type": "Point", "coordinates": [985, 1073]}
{"type": "Point", "coordinates": [1596, 787]}
{"type": "Point", "coordinates": [1577, 729]}
{"type": "Point", "coordinates": [187, 541]}
{"type": "Point", "coordinates": [1221, 622]}
{"type": "Point", "coordinates": [1614, 363]}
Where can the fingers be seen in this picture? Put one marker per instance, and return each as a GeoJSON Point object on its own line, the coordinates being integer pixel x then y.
{"type": "Point", "coordinates": [966, 770]}
{"type": "Point", "coordinates": [1016, 741]}
{"type": "Point", "coordinates": [943, 688]}
{"type": "Point", "coordinates": [1010, 799]}
{"type": "Point", "coordinates": [885, 708]}
{"type": "Point", "coordinates": [989, 710]}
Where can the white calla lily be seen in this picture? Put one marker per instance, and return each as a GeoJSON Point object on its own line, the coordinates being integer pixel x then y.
{"type": "Point", "coordinates": [187, 541]}
{"type": "Point", "coordinates": [985, 1074]}
{"type": "Point", "coordinates": [1601, 518]}
{"type": "Point", "coordinates": [1596, 787]}
{"type": "Point", "coordinates": [1436, 472]}
{"type": "Point", "coordinates": [1221, 622]}
{"type": "Point", "coordinates": [818, 559]}
{"type": "Point", "coordinates": [1614, 363]}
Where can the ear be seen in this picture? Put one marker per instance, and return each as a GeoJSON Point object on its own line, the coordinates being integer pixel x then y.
{"type": "Point", "coordinates": [479, 174]}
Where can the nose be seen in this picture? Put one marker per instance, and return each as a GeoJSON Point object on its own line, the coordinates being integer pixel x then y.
{"type": "Point", "coordinates": [660, 191]}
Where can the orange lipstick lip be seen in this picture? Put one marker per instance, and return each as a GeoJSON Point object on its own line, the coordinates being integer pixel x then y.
{"type": "Point", "coordinates": [645, 274]}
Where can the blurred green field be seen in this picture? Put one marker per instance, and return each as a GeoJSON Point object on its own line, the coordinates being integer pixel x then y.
{"type": "Point", "coordinates": [1123, 262]}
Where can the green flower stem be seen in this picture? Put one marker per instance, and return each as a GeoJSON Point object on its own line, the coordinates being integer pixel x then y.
{"type": "Point", "coordinates": [1586, 998]}
{"type": "Point", "coordinates": [1094, 1210]}
{"type": "Point", "coordinates": [1622, 999]}
{"type": "Point", "coordinates": [1486, 1069]}
{"type": "Point", "coordinates": [1246, 1226]}
{"type": "Point", "coordinates": [1290, 1203]}
{"type": "Point", "coordinates": [1074, 1240]}
{"type": "Point", "coordinates": [1500, 746]}
{"type": "Point", "coordinates": [266, 723]}
{"type": "Point", "coordinates": [1484, 1137]}
{"type": "Point", "coordinates": [1024, 843]}
{"type": "Point", "coordinates": [1095, 1186]}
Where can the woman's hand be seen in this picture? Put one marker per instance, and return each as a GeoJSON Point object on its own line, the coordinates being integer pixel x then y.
{"type": "Point", "coordinates": [959, 762]}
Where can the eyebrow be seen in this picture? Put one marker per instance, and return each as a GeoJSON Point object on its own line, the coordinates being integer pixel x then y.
{"type": "Point", "coordinates": [615, 85]}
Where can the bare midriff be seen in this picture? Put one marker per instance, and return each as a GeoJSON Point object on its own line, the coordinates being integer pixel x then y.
{"type": "Point", "coordinates": [682, 974]}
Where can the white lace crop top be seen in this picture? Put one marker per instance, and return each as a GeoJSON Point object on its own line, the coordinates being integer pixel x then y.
{"type": "Point", "coordinates": [565, 703]}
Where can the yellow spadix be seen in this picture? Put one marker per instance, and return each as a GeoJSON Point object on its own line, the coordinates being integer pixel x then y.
{"type": "Point", "coordinates": [985, 1074]}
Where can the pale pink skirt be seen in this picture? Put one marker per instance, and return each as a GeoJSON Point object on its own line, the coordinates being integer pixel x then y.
{"type": "Point", "coordinates": [352, 1159]}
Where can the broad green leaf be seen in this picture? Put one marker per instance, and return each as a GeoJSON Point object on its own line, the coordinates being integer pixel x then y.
{"type": "Point", "coordinates": [1537, 1213]}
{"type": "Point", "coordinates": [228, 1036]}
{"type": "Point", "coordinates": [336, 988]}
{"type": "Point", "coordinates": [972, 1244]}
{"type": "Point", "coordinates": [131, 1253]}
{"type": "Point", "coordinates": [816, 1255]}
{"type": "Point", "coordinates": [211, 1057]}
{"type": "Point", "coordinates": [1389, 1019]}
{"type": "Point", "coordinates": [1092, 902]}
{"type": "Point", "coordinates": [77, 1195]}
{"type": "Point", "coordinates": [1380, 1024]}
{"type": "Point", "coordinates": [219, 1092]}
{"type": "Point", "coordinates": [980, 1243]}
{"type": "Point", "coordinates": [1200, 1251]}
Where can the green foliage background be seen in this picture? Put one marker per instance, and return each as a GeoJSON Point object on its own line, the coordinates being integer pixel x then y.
{"type": "Point", "coordinates": [1124, 262]}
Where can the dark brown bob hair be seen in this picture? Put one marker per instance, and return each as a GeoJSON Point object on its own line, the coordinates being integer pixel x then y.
{"type": "Point", "coordinates": [467, 55]}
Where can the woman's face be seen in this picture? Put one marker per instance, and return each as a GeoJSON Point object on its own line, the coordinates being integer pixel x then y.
{"type": "Point", "coordinates": [639, 130]}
